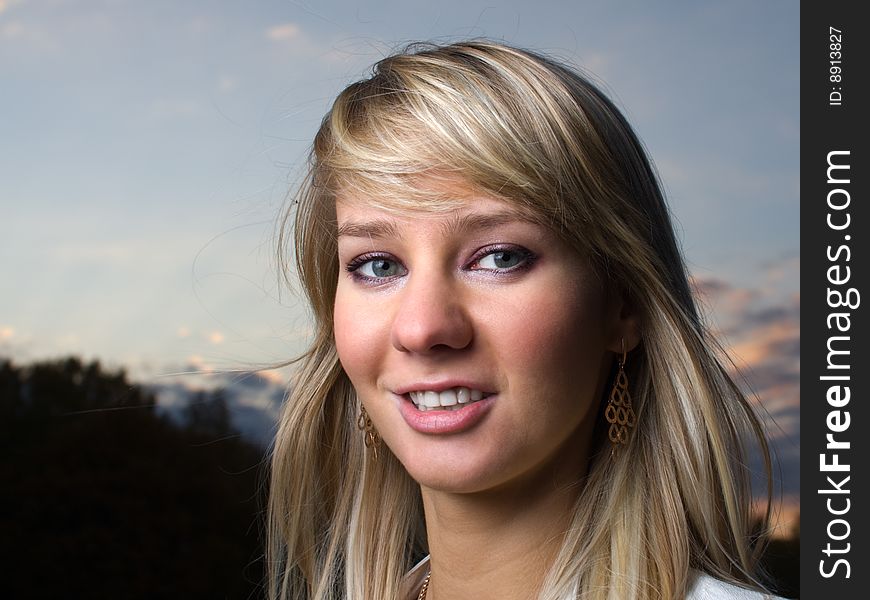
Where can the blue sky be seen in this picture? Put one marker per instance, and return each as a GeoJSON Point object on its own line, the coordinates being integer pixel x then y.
{"type": "Point", "coordinates": [146, 149]}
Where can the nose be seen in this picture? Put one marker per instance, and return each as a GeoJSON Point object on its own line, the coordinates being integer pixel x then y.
{"type": "Point", "coordinates": [431, 316]}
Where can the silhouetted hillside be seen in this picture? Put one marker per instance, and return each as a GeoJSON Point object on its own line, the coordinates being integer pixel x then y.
{"type": "Point", "coordinates": [253, 400]}
{"type": "Point", "coordinates": [105, 498]}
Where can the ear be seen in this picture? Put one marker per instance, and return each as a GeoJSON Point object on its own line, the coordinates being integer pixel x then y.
{"type": "Point", "coordinates": [625, 324]}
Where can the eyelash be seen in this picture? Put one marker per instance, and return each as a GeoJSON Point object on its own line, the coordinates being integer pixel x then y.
{"type": "Point", "coordinates": [354, 266]}
{"type": "Point", "coordinates": [528, 258]}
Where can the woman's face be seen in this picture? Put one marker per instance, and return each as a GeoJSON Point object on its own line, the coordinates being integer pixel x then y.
{"type": "Point", "coordinates": [476, 339]}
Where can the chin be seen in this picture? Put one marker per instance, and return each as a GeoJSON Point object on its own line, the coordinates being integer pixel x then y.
{"type": "Point", "coordinates": [457, 477]}
{"type": "Point", "coordinates": [453, 484]}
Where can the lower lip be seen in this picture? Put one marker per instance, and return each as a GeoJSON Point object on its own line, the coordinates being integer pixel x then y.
{"type": "Point", "coordinates": [444, 421]}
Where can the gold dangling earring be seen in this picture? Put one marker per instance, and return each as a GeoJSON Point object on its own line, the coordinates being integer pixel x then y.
{"type": "Point", "coordinates": [371, 437]}
{"type": "Point", "coordinates": [619, 412]}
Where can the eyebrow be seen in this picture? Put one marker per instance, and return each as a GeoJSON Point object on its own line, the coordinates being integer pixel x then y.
{"type": "Point", "coordinates": [384, 228]}
{"type": "Point", "coordinates": [378, 229]}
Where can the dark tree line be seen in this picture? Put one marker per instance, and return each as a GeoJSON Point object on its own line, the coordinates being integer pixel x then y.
{"type": "Point", "coordinates": [103, 497]}
{"type": "Point", "coordinates": [781, 562]}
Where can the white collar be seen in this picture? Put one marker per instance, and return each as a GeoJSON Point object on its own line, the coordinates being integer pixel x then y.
{"type": "Point", "coordinates": [702, 586]}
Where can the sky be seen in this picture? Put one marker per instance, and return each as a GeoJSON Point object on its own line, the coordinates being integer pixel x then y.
{"type": "Point", "coordinates": [147, 150]}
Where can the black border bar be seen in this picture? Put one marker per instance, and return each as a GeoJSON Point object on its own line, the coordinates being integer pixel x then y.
{"type": "Point", "coordinates": [835, 169]}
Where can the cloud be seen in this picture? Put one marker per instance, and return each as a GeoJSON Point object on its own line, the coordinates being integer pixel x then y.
{"type": "Point", "coordinates": [275, 376]}
{"type": "Point", "coordinates": [227, 84]}
{"type": "Point", "coordinates": [5, 5]}
{"type": "Point", "coordinates": [18, 343]}
{"type": "Point", "coordinates": [785, 517]}
{"type": "Point", "coordinates": [596, 62]}
{"type": "Point", "coordinates": [759, 327]}
{"type": "Point", "coordinates": [197, 364]}
{"type": "Point", "coordinates": [283, 32]}
{"type": "Point", "coordinates": [42, 29]}
{"type": "Point", "coordinates": [783, 270]}
{"type": "Point", "coordinates": [719, 297]}
{"type": "Point", "coordinates": [762, 338]}
{"type": "Point", "coordinates": [291, 37]}
{"type": "Point", "coordinates": [253, 398]}
{"type": "Point", "coordinates": [12, 30]}
{"type": "Point", "coordinates": [769, 334]}
{"type": "Point", "coordinates": [69, 341]}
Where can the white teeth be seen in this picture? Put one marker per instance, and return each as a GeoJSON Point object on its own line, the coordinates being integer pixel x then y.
{"type": "Point", "coordinates": [430, 399]}
{"type": "Point", "coordinates": [462, 395]}
{"type": "Point", "coordinates": [450, 399]}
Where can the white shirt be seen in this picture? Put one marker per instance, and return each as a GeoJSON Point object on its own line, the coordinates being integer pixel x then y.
{"type": "Point", "coordinates": [702, 587]}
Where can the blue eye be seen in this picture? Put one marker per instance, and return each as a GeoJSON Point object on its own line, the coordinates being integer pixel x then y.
{"type": "Point", "coordinates": [504, 259]}
{"type": "Point", "coordinates": [377, 267]}
{"type": "Point", "coordinates": [380, 267]}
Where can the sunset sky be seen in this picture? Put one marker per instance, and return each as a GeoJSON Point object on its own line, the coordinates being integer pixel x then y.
{"type": "Point", "coordinates": [146, 149]}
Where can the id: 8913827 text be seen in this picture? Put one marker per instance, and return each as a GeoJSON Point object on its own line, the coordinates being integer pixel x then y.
{"type": "Point", "coordinates": [835, 69]}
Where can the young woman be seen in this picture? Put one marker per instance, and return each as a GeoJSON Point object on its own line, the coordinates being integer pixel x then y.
{"type": "Point", "coordinates": [509, 385]}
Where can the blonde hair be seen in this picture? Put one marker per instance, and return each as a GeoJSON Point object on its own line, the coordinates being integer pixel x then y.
{"type": "Point", "coordinates": [526, 129]}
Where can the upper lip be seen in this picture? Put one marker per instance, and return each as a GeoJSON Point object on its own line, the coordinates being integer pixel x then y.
{"type": "Point", "coordinates": [441, 385]}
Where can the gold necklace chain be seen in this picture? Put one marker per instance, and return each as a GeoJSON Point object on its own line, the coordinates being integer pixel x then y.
{"type": "Point", "coordinates": [425, 587]}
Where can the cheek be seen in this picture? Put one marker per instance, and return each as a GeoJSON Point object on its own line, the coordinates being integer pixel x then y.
{"type": "Point", "coordinates": [557, 333]}
{"type": "Point", "coordinates": [554, 356]}
{"type": "Point", "coordinates": [362, 338]}
{"type": "Point", "coordinates": [355, 338]}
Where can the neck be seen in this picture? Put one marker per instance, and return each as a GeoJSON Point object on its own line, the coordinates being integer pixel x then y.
{"type": "Point", "coordinates": [499, 543]}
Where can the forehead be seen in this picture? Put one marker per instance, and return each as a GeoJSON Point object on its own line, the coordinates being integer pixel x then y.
{"type": "Point", "coordinates": [452, 201]}
{"type": "Point", "coordinates": [358, 218]}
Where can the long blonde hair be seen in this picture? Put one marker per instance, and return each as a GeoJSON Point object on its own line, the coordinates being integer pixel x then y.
{"type": "Point", "coordinates": [526, 129]}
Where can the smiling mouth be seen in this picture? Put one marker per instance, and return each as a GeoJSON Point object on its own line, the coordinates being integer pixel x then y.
{"type": "Point", "coordinates": [452, 399]}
